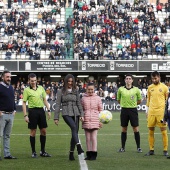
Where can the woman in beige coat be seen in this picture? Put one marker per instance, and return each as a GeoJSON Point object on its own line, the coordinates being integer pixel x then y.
{"type": "Point", "coordinates": [72, 111]}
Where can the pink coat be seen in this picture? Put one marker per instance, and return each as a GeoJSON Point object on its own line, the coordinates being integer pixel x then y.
{"type": "Point", "coordinates": [92, 105]}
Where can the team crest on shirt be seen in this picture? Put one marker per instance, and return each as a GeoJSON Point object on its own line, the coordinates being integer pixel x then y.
{"type": "Point", "coordinates": [132, 97]}
{"type": "Point", "coordinates": [160, 90]}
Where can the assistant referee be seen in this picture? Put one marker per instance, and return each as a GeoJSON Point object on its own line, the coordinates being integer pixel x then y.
{"type": "Point", "coordinates": [36, 97]}
{"type": "Point", "coordinates": [129, 97]}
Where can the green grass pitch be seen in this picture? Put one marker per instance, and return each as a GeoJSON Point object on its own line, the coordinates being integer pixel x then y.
{"type": "Point", "coordinates": [58, 139]}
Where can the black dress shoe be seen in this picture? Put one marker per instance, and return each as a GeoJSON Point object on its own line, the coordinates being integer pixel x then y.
{"type": "Point", "coordinates": [10, 157]}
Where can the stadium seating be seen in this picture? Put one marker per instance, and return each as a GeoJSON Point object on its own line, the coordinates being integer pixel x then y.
{"type": "Point", "coordinates": [40, 37]}
{"type": "Point", "coordinates": [100, 24]}
{"type": "Point", "coordinates": [132, 12]}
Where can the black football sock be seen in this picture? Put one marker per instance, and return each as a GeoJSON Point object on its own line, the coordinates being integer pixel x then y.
{"type": "Point", "coordinates": [72, 145]}
{"type": "Point", "coordinates": [32, 143]}
{"type": "Point", "coordinates": [123, 139]}
{"type": "Point", "coordinates": [42, 141]}
{"type": "Point", "coordinates": [137, 139]}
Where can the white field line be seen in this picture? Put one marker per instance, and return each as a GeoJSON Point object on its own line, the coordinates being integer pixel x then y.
{"type": "Point", "coordinates": [82, 162]}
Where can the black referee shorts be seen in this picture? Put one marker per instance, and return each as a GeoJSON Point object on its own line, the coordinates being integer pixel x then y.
{"type": "Point", "coordinates": [36, 117]}
{"type": "Point", "coordinates": [129, 114]}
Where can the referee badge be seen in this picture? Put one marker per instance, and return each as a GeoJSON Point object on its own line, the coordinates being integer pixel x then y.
{"type": "Point", "coordinates": [41, 97]}
{"type": "Point", "coordinates": [132, 97]}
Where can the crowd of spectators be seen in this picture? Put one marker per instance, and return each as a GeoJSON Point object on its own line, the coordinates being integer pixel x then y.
{"type": "Point", "coordinates": [28, 28]}
{"type": "Point", "coordinates": [103, 87]}
{"type": "Point", "coordinates": [104, 30]}
{"type": "Point", "coordinates": [101, 31]}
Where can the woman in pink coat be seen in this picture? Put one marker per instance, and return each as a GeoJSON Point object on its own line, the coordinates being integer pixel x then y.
{"type": "Point", "coordinates": [92, 106]}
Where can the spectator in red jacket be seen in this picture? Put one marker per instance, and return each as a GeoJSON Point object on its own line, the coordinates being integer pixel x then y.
{"type": "Point", "coordinates": [107, 21]}
{"type": "Point", "coordinates": [85, 7]}
{"type": "Point", "coordinates": [136, 20]}
{"type": "Point", "coordinates": [133, 45]}
{"type": "Point", "coordinates": [159, 7]}
{"type": "Point", "coordinates": [104, 30]}
{"type": "Point", "coordinates": [156, 38]}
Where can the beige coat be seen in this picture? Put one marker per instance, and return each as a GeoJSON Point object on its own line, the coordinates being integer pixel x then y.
{"type": "Point", "coordinates": [70, 104]}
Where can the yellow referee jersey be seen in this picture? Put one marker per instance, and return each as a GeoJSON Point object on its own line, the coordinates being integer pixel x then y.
{"type": "Point", "coordinates": [156, 98]}
{"type": "Point", "coordinates": [35, 98]}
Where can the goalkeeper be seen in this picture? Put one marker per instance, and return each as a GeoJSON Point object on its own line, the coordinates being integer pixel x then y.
{"type": "Point", "coordinates": [157, 95]}
{"type": "Point", "coordinates": [167, 115]}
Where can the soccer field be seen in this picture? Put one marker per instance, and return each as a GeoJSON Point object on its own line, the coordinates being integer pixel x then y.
{"type": "Point", "coordinates": [58, 139]}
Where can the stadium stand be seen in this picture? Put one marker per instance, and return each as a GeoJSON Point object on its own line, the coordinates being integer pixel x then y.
{"type": "Point", "coordinates": [33, 30]}
{"type": "Point", "coordinates": [106, 30]}
{"type": "Point", "coordinates": [92, 30]}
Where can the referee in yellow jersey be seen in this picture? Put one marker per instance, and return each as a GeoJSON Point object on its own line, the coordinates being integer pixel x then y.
{"type": "Point", "coordinates": [36, 97]}
{"type": "Point", "coordinates": [129, 97]}
{"type": "Point", "coordinates": [157, 95]}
